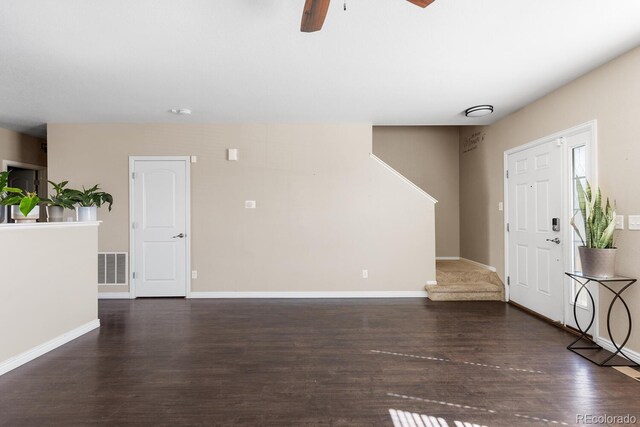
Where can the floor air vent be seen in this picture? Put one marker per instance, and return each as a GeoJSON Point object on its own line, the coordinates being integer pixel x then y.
{"type": "Point", "coordinates": [112, 268]}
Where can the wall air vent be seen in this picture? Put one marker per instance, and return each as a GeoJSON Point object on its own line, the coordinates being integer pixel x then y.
{"type": "Point", "coordinates": [113, 268]}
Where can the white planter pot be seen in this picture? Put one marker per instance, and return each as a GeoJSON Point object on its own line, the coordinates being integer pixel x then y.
{"type": "Point", "coordinates": [84, 214]}
{"type": "Point", "coordinates": [17, 216]}
{"type": "Point", "coordinates": [55, 213]}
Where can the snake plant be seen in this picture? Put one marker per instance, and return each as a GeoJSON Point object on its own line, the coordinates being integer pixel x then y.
{"type": "Point", "coordinates": [599, 223]}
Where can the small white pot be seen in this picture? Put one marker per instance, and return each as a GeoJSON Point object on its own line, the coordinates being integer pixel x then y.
{"type": "Point", "coordinates": [17, 216]}
{"type": "Point", "coordinates": [84, 214]}
{"type": "Point", "coordinates": [55, 213]}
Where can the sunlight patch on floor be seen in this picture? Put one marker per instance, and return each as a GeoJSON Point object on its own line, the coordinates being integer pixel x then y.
{"type": "Point", "coordinates": [483, 365]}
{"type": "Point", "coordinates": [440, 402]}
{"type": "Point", "coordinates": [412, 419]}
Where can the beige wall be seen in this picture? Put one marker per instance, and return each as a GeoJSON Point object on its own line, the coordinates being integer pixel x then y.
{"type": "Point", "coordinates": [428, 156]}
{"type": "Point", "coordinates": [21, 148]}
{"type": "Point", "coordinates": [40, 304]}
{"type": "Point", "coordinates": [610, 95]}
{"type": "Point", "coordinates": [326, 210]}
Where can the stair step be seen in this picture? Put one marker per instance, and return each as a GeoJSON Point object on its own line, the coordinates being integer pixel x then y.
{"type": "Point", "coordinates": [465, 276]}
{"type": "Point", "coordinates": [464, 287]}
{"type": "Point", "coordinates": [465, 281]}
{"type": "Point", "coordinates": [465, 296]}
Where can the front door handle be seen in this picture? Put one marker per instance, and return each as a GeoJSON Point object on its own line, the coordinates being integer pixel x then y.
{"type": "Point", "coordinates": [178, 236]}
{"type": "Point", "coordinates": [556, 241]}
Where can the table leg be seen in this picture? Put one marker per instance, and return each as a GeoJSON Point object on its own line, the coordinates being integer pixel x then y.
{"type": "Point", "coordinates": [618, 296]}
{"type": "Point", "coordinates": [583, 332]}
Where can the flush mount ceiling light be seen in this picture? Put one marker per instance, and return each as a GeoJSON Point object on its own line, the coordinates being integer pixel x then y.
{"type": "Point", "coordinates": [479, 111]}
{"type": "Point", "coordinates": [180, 111]}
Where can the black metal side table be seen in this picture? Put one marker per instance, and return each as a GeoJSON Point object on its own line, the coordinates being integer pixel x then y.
{"type": "Point", "coordinates": [592, 351]}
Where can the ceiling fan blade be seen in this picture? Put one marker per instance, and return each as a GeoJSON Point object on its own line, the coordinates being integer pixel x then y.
{"type": "Point", "coordinates": [421, 3]}
{"type": "Point", "coordinates": [313, 15]}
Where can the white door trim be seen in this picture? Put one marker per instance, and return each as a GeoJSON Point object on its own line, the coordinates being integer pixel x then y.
{"type": "Point", "coordinates": [187, 271]}
{"type": "Point", "coordinates": [592, 171]}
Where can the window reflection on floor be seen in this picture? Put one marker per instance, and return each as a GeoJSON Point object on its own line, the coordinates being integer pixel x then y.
{"type": "Point", "coordinates": [412, 419]}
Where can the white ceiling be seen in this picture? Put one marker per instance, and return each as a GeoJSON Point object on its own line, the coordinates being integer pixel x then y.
{"type": "Point", "coordinates": [380, 62]}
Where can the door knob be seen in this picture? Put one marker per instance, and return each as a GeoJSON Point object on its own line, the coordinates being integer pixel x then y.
{"type": "Point", "coordinates": [181, 235]}
{"type": "Point", "coordinates": [556, 241]}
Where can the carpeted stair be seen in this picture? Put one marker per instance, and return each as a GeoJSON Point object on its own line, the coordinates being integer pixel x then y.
{"type": "Point", "coordinates": [461, 280]}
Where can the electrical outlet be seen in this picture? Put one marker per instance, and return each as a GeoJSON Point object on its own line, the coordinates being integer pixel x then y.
{"type": "Point", "coordinates": [500, 206]}
{"type": "Point", "coordinates": [194, 274]}
{"type": "Point", "coordinates": [619, 222]}
{"type": "Point", "coordinates": [365, 274]}
{"type": "Point", "coordinates": [634, 222]}
{"type": "Point", "coordinates": [250, 204]}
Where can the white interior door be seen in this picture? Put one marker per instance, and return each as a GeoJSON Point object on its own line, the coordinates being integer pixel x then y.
{"type": "Point", "coordinates": [159, 201]}
{"type": "Point", "coordinates": [536, 266]}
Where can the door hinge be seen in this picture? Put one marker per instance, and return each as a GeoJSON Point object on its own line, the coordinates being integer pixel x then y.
{"type": "Point", "coordinates": [508, 280]}
{"type": "Point", "coordinates": [507, 173]}
{"type": "Point", "coordinates": [507, 227]}
{"type": "Point", "coordinates": [133, 225]}
{"type": "Point", "coordinates": [133, 175]}
{"type": "Point", "coordinates": [133, 275]}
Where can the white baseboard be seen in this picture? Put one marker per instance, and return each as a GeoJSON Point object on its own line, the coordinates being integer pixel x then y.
{"type": "Point", "coordinates": [34, 353]}
{"type": "Point", "coordinates": [114, 295]}
{"type": "Point", "coordinates": [488, 267]}
{"type": "Point", "coordinates": [608, 345]}
{"type": "Point", "coordinates": [447, 258]}
{"type": "Point", "coordinates": [346, 294]}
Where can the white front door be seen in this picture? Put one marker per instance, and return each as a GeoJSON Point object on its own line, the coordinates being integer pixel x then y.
{"type": "Point", "coordinates": [536, 267]}
{"type": "Point", "coordinates": [159, 202]}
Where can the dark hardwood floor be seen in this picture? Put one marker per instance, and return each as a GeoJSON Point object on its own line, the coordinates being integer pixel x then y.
{"type": "Point", "coordinates": [312, 362]}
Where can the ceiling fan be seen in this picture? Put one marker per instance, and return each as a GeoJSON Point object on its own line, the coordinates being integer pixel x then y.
{"type": "Point", "coordinates": [316, 10]}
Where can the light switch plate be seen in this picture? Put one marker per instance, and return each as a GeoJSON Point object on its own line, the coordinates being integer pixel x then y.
{"type": "Point", "coordinates": [634, 222]}
{"type": "Point", "coordinates": [500, 206]}
{"type": "Point", "coordinates": [194, 274]}
{"type": "Point", "coordinates": [250, 204]}
{"type": "Point", "coordinates": [619, 222]}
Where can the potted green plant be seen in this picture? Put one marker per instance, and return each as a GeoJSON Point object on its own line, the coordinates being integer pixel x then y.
{"type": "Point", "coordinates": [88, 200]}
{"type": "Point", "coordinates": [4, 178]}
{"type": "Point", "coordinates": [58, 202]}
{"type": "Point", "coordinates": [598, 253]}
{"type": "Point", "coordinates": [24, 205]}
